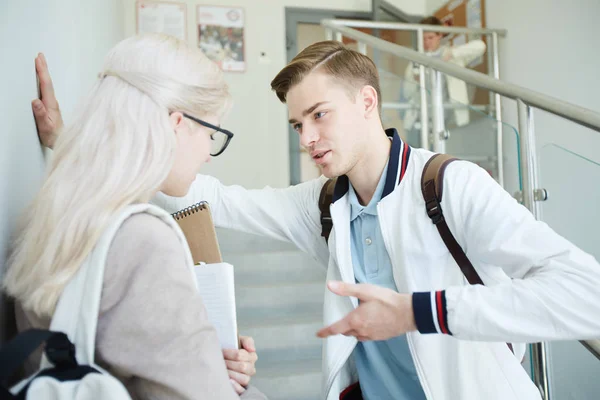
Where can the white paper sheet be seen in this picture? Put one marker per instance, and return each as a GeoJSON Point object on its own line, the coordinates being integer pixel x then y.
{"type": "Point", "coordinates": [216, 286]}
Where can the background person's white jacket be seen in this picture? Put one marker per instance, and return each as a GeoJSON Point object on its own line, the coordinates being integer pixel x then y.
{"type": "Point", "coordinates": [538, 285]}
{"type": "Point", "coordinates": [462, 55]}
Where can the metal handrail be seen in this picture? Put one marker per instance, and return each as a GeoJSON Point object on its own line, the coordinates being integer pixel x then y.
{"type": "Point", "coordinates": [593, 347]}
{"type": "Point", "coordinates": [447, 106]}
{"type": "Point", "coordinates": [399, 26]}
{"type": "Point", "coordinates": [577, 114]}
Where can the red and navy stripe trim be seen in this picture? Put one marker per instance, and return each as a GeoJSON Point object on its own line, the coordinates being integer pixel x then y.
{"type": "Point", "coordinates": [431, 313]}
{"type": "Point", "coordinates": [404, 165]}
{"type": "Point", "coordinates": [398, 163]}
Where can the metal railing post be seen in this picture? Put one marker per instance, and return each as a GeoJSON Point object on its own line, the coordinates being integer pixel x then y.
{"type": "Point", "coordinates": [328, 34]}
{"type": "Point", "coordinates": [529, 175]}
{"type": "Point", "coordinates": [439, 144]}
{"type": "Point", "coordinates": [423, 90]}
{"type": "Point", "coordinates": [498, 113]}
{"type": "Point", "coordinates": [362, 48]}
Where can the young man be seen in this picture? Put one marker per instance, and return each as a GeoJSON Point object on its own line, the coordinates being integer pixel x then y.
{"type": "Point", "coordinates": [453, 89]}
{"type": "Point", "coordinates": [412, 328]}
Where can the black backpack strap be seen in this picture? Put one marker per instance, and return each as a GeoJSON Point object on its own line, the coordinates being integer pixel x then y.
{"type": "Point", "coordinates": [432, 186]}
{"type": "Point", "coordinates": [325, 200]}
{"type": "Point", "coordinates": [59, 350]}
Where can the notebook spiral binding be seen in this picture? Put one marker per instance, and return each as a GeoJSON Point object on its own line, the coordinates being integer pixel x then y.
{"type": "Point", "coordinates": [190, 210]}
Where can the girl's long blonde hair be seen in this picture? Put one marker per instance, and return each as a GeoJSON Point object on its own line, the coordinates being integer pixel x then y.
{"type": "Point", "coordinates": [118, 151]}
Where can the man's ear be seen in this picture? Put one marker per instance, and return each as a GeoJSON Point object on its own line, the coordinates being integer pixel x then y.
{"type": "Point", "coordinates": [177, 121]}
{"type": "Point", "coordinates": [370, 100]}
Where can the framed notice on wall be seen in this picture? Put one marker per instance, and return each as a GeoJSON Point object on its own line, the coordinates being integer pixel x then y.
{"type": "Point", "coordinates": [161, 17]}
{"type": "Point", "coordinates": [221, 36]}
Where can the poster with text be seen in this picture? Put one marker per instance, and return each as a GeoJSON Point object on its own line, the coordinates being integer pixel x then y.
{"type": "Point", "coordinates": [161, 17]}
{"type": "Point", "coordinates": [221, 36]}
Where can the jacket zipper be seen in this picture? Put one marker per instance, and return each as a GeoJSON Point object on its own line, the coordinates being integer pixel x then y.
{"type": "Point", "coordinates": [346, 354]}
{"type": "Point", "coordinates": [413, 353]}
{"type": "Point", "coordinates": [336, 370]}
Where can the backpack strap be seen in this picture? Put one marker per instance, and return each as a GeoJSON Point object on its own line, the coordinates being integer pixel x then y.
{"type": "Point", "coordinates": [432, 186]}
{"type": "Point", "coordinates": [59, 350]}
{"type": "Point", "coordinates": [325, 200]}
{"type": "Point", "coordinates": [77, 310]}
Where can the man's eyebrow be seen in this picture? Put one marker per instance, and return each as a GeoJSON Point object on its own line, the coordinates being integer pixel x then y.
{"type": "Point", "coordinates": [308, 110]}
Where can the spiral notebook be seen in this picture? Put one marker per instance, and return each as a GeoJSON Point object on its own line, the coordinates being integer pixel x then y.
{"type": "Point", "coordinates": [197, 225]}
{"type": "Point", "coordinates": [213, 276]}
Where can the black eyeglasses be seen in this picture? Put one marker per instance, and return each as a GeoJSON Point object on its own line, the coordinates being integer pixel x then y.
{"type": "Point", "coordinates": [220, 137]}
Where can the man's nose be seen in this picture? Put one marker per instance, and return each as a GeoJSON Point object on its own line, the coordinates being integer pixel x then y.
{"type": "Point", "coordinates": [309, 137]}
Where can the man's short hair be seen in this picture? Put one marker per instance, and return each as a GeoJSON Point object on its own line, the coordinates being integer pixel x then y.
{"type": "Point", "coordinates": [350, 68]}
{"type": "Point", "coordinates": [431, 21]}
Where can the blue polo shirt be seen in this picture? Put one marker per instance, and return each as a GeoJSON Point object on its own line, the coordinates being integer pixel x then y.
{"type": "Point", "coordinates": [385, 368]}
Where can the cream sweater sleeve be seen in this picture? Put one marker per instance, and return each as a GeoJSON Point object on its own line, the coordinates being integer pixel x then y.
{"type": "Point", "coordinates": [153, 330]}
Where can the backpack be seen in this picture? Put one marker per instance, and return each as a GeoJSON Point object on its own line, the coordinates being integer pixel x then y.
{"type": "Point", "coordinates": [67, 369]}
{"type": "Point", "coordinates": [64, 379]}
{"type": "Point", "coordinates": [432, 186]}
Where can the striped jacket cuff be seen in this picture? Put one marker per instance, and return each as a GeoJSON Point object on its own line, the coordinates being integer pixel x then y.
{"type": "Point", "coordinates": [430, 311]}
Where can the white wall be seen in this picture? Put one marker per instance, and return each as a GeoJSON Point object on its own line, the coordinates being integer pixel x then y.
{"type": "Point", "coordinates": [432, 6]}
{"type": "Point", "coordinates": [74, 35]}
{"type": "Point", "coordinates": [551, 48]}
{"type": "Point", "coordinates": [414, 7]}
{"type": "Point", "coordinates": [258, 154]}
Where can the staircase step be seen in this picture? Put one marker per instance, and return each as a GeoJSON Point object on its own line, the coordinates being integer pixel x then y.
{"type": "Point", "coordinates": [279, 298]}
{"type": "Point", "coordinates": [299, 382]}
{"type": "Point", "coordinates": [286, 335]}
{"type": "Point", "coordinates": [236, 242]}
{"type": "Point", "coordinates": [288, 378]}
{"type": "Point", "coordinates": [255, 296]}
{"type": "Point", "coordinates": [271, 360]}
{"type": "Point", "coordinates": [248, 317]}
{"type": "Point", "coordinates": [277, 267]}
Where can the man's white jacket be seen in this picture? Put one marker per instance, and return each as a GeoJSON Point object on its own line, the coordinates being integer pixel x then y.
{"type": "Point", "coordinates": [538, 286]}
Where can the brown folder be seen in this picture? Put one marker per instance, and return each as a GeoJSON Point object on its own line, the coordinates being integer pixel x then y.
{"type": "Point", "coordinates": [197, 225]}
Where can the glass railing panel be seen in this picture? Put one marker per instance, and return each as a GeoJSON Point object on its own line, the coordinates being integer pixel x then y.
{"type": "Point", "coordinates": [571, 180]}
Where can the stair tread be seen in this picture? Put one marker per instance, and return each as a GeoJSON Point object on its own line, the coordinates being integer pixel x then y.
{"type": "Point", "coordinates": [280, 316]}
{"type": "Point", "coordinates": [284, 286]}
{"type": "Point", "coordinates": [288, 368]}
{"type": "Point", "coordinates": [279, 294]}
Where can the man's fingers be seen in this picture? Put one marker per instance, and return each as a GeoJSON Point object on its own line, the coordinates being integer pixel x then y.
{"type": "Point", "coordinates": [247, 343]}
{"type": "Point", "coordinates": [361, 291]}
{"type": "Point", "coordinates": [340, 327]}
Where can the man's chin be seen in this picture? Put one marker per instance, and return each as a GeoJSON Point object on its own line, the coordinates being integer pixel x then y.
{"type": "Point", "coordinates": [329, 172]}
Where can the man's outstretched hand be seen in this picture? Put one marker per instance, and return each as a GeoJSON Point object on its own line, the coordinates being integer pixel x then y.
{"type": "Point", "coordinates": [381, 314]}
